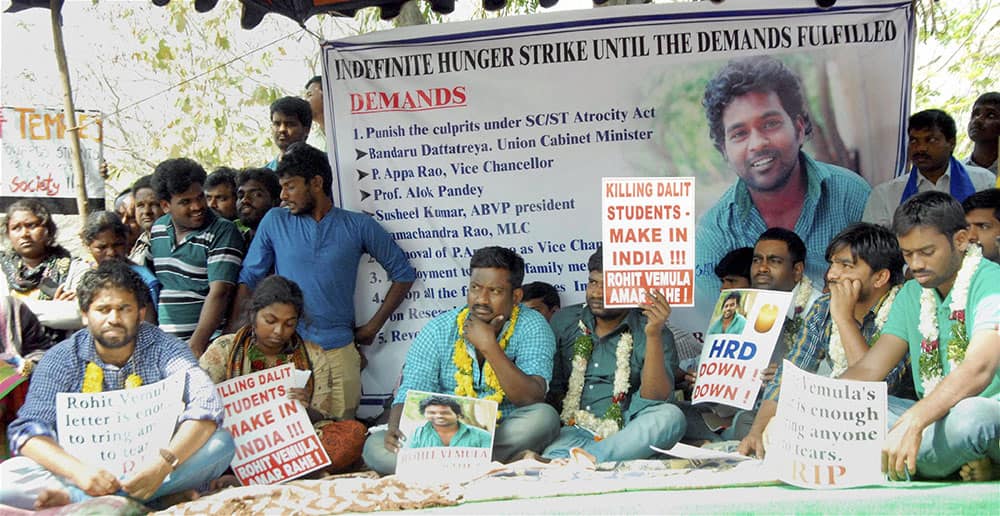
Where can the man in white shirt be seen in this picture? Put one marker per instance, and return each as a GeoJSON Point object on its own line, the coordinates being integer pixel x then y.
{"type": "Point", "coordinates": [931, 144]}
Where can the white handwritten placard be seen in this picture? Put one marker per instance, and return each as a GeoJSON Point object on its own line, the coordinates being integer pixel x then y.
{"type": "Point", "coordinates": [120, 430]}
{"type": "Point", "coordinates": [36, 155]}
{"type": "Point", "coordinates": [827, 433]}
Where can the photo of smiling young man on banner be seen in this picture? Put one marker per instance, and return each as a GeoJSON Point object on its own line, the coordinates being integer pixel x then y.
{"type": "Point", "coordinates": [446, 437]}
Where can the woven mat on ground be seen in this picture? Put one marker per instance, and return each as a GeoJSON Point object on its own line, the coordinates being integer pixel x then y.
{"type": "Point", "coordinates": [357, 493]}
{"type": "Point", "coordinates": [523, 479]}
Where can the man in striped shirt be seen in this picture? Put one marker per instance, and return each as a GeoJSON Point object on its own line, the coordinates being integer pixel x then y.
{"type": "Point", "coordinates": [196, 255]}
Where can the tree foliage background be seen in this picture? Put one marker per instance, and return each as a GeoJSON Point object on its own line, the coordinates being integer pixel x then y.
{"type": "Point", "coordinates": [173, 82]}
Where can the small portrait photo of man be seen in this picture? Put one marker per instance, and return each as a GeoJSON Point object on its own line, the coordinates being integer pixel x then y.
{"type": "Point", "coordinates": [440, 420]}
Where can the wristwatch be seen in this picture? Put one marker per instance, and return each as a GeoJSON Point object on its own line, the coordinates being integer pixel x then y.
{"type": "Point", "coordinates": [170, 458]}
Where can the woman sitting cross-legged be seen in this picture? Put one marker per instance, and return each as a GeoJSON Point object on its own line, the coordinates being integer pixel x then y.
{"type": "Point", "coordinates": [268, 340]}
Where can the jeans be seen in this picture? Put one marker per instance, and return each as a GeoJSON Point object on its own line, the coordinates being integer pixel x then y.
{"type": "Point", "coordinates": [531, 427]}
{"type": "Point", "coordinates": [23, 479]}
{"type": "Point", "coordinates": [969, 431]}
{"type": "Point", "coordinates": [660, 425]}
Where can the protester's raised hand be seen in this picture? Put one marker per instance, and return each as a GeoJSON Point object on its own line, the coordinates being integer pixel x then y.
{"type": "Point", "coordinates": [483, 335]}
{"type": "Point", "coordinates": [657, 311]}
{"type": "Point", "coordinates": [767, 375]}
{"type": "Point", "coordinates": [752, 445]}
{"type": "Point", "coordinates": [298, 394]}
{"type": "Point", "coordinates": [394, 440]}
{"type": "Point", "coordinates": [899, 454]}
{"type": "Point", "coordinates": [147, 479]}
{"type": "Point", "coordinates": [96, 482]}
{"type": "Point", "coordinates": [844, 295]}
{"type": "Point", "coordinates": [63, 295]}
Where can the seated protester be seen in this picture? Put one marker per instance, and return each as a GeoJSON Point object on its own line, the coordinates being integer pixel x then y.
{"type": "Point", "coordinates": [113, 299]}
{"type": "Point", "coordinates": [866, 269]}
{"type": "Point", "coordinates": [491, 348]}
{"type": "Point", "coordinates": [257, 191]}
{"type": "Point", "coordinates": [24, 344]}
{"type": "Point", "coordinates": [104, 236]}
{"type": "Point", "coordinates": [35, 266]}
{"type": "Point", "coordinates": [982, 212]}
{"type": "Point", "coordinates": [444, 426]}
{"type": "Point", "coordinates": [930, 146]}
{"type": "Point", "coordinates": [778, 264]}
{"type": "Point", "coordinates": [733, 269]}
{"type": "Point", "coordinates": [147, 210]}
{"type": "Point", "coordinates": [23, 335]}
{"type": "Point", "coordinates": [955, 425]}
{"type": "Point", "coordinates": [541, 297]}
{"type": "Point", "coordinates": [269, 339]}
{"type": "Point", "coordinates": [590, 339]}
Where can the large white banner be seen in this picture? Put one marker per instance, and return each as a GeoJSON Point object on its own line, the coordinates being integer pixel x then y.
{"type": "Point", "coordinates": [458, 136]}
{"type": "Point", "coordinates": [37, 159]}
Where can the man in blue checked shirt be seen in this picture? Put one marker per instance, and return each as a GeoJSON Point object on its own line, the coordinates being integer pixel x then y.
{"type": "Point", "coordinates": [493, 348]}
{"type": "Point", "coordinates": [113, 300]}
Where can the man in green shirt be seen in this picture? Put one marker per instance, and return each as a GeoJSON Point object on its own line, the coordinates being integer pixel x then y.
{"type": "Point", "coordinates": [616, 378]}
{"type": "Point", "coordinates": [443, 427]}
{"type": "Point", "coordinates": [731, 320]}
{"type": "Point", "coordinates": [956, 369]}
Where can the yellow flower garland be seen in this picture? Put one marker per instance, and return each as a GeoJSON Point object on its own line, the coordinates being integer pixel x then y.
{"type": "Point", "coordinates": [93, 379]}
{"type": "Point", "coordinates": [463, 362]}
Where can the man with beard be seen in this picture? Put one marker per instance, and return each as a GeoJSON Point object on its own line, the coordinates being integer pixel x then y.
{"type": "Point", "coordinates": [291, 118]}
{"type": "Point", "coordinates": [147, 210]}
{"type": "Point", "coordinates": [196, 255]}
{"type": "Point", "coordinates": [319, 246]}
{"type": "Point", "coordinates": [126, 352]}
{"type": "Point", "coordinates": [758, 119]}
{"type": "Point", "coordinates": [778, 263]}
{"type": "Point", "coordinates": [865, 269]}
{"type": "Point", "coordinates": [617, 380]}
{"type": "Point", "coordinates": [220, 192]}
{"type": "Point", "coordinates": [495, 348]}
{"type": "Point", "coordinates": [948, 319]}
{"type": "Point", "coordinates": [257, 191]}
{"type": "Point", "coordinates": [984, 131]}
{"type": "Point", "coordinates": [931, 143]}
{"type": "Point", "coordinates": [443, 427]}
{"type": "Point", "coordinates": [779, 258]}
{"type": "Point", "coordinates": [982, 212]}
